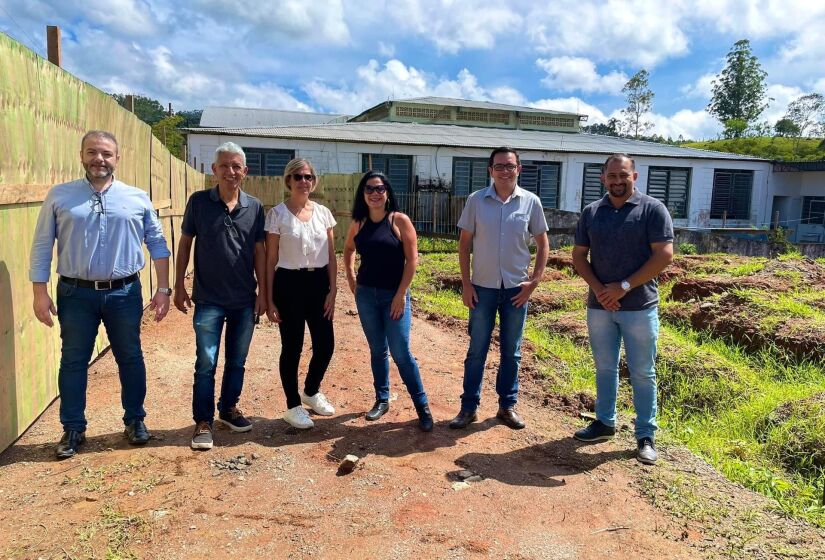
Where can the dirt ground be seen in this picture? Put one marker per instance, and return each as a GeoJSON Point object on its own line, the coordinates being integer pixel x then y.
{"type": "Point", "coordinates": [535, 493]}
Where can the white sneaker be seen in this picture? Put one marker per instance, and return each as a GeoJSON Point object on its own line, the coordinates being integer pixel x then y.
{"type": "Point", "coordinates": [299, 418]}
{"type": "Point", "coordinates": [319, 403]}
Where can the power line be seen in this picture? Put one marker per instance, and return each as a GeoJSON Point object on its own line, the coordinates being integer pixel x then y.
{"type": "Point", "coordinates": [20, 27]}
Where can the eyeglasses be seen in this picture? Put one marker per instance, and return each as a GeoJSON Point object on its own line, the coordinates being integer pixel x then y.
{"type": "Point", "coordinates": [380, 189]}
{"type": "Point", "coordinates": [298, 176]}
{"type": "Point", "coordinates": [505, 167]}
{"type": "Point", "coordinates": [97, 203]}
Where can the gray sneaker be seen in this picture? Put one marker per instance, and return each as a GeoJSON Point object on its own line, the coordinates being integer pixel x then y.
{"type": "Point", "coordinates": [596, 431]}
{"type": "Point", "coordinates": [202, 438]}
{"type": "Point", "coordinates": [647, 451]}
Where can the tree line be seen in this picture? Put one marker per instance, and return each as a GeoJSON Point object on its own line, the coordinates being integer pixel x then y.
{"type": "Point", "coordinates": [166, 125]}
{"type": "Point", "coordinates": [739, 96]}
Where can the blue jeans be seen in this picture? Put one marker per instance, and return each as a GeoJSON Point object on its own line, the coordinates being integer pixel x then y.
{"type": "Point", "coordinates": [80, 311]}
{"type": "Point", "coordinates": [511, 328]}
{"type": "Point", "coordinates": [640, 331]}
{"type": "Point", "coordinates": [385, 334]}
{"type": "Point", "coordinates": [208, 321]}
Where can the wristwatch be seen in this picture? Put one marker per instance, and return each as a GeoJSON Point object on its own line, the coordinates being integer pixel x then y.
{"type": "Point", "coordinates": [625, 285]}
{"type": "Point", "coordinates": [165, 291]}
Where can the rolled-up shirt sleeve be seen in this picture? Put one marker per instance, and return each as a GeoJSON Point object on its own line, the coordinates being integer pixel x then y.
{"type": "Point", "coordinates": [43, 243]}
{"type": "Point", "coordinates": [153, 233]}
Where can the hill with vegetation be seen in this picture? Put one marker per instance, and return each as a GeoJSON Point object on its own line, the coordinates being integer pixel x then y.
{"type": "Point", "coordinates": [777, 148]}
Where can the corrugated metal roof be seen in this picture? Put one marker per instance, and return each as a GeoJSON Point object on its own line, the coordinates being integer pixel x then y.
{"type": "Point", "coordinates": [472, 137]}
{"type": "Point", "coordinates": [244, 117]}
{"type": "Point", "coordinates": [450, 102]}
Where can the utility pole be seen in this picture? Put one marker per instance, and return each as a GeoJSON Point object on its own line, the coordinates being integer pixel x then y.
{"type": "Point", "coordinates": [53, 44]}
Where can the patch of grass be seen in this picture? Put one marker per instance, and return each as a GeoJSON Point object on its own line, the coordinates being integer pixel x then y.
{"type": "Point", "coordinates": [437, 245]}
{"type": "Point", "coordinates": [746, 269]}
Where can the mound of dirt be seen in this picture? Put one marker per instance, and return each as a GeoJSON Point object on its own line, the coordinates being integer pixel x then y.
{"type": "Point", "coordinates": [795, 433]}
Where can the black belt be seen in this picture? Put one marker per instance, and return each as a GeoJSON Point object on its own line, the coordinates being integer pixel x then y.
{"type": "Point", "coordinates": [100, 284]}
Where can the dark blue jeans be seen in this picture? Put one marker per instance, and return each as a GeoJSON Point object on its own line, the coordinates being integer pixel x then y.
{"type": "Point", "coordinates": [386, 336]}
{"type": "Point", "coordinates": [80, 311]}
{"type": "Point", "coordinates": [511, 327]}
{"type": "Point", "coordinates": [208, 321]}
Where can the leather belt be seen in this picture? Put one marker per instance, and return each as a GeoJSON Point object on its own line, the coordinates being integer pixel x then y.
{"type": "Point", "coordinates": [100, 284]}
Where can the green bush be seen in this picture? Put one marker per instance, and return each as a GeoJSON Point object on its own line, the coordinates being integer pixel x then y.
{"type": "Point", "coordinates": [687, 249]}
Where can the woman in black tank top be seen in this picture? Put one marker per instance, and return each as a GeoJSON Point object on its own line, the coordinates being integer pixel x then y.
{"type": "Point", "coordinates": [387, 245]}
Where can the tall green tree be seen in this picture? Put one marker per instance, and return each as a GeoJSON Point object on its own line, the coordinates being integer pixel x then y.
{"type": "Point", "coordinates": [147, 109]}
{"type": "Point", "coordinates": [808, 114]}
{"type": "Point", "coordinates": [639, 98]}
{"type": "Point", "coordinates": [167, 130]}
{"type": "Point", "coordinates": [739, 91]}
{"type": "Point", "coordinates": [190, 118]}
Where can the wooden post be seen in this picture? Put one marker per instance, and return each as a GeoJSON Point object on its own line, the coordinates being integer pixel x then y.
{"type": "Point", "coordinates": [170, 108]}
{"type": "Point", "coordinates": [195, 163]}
{"type": "Point", "coordinates": [130, 102]}
{"type": "Point", "coordinates": [53, 44]}
{"type": "Point", "coordinates": [201, 168]}
{"type": "Point", "coordinates": [724, 218]}
{"type": "Point", "coordinates": [369, 161]}
{"type": "Point", "coordinates": [776, 219]}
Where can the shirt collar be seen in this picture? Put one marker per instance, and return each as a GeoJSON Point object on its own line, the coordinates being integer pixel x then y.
{"type": "Point", "coordinates": [635, 199]}
{"type": "Point", "coordinates": [243, 198]}
{"type": "Point", "coordinates": [85, 181]}
{"type": "Point", "coordinates": [491, 192]}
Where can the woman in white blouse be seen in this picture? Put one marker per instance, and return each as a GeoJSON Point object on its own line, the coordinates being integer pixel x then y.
{"type": "Point", "coordinates": [301, 270]}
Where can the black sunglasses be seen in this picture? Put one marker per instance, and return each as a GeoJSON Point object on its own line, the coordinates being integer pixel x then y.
{"type": "Point", "coordinates": [298, 176]}
{"type": "Point", "coordinates": [97, 203]}
{"type": "Point", "coordinates": [380, 189]}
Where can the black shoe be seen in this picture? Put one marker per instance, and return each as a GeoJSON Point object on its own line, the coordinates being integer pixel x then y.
{"type": "Point", "coordinates": [136, 433]}
{"type": "Point", "coordinates": [464, 419]}
{"type": "Point", "coordinates": [510, 418]}
{"type": "Point", "coordinates": [69, 444]}
{"type": "Point", "coordinates": [595, 431]}
{"type": "Point", "coordinates": [647, 451]}
{"type": "Point", "coordinates": [378, 410]}
{"type": "Point", "coordinates": [235, 420]}
{"type": "Point", "coordinates": [425, 418]}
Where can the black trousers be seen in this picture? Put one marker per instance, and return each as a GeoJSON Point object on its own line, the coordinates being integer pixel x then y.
{"type": "Point", "coordinates": [299, 296]}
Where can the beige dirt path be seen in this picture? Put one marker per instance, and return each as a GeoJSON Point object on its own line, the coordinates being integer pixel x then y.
{"type": "Point", "coordinates": [537, 493]}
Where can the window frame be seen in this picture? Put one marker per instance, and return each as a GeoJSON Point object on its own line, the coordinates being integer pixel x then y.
{"type": "Point", "coordinates": [668, 185]}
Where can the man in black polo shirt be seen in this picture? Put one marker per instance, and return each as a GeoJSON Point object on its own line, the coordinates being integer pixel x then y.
{"type": "Point", "coordinates": [229, 265]}
{"type": "Point", "coordinates": [629, 237]}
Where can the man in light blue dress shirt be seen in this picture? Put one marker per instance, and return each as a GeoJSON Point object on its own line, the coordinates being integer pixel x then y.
{"type": "Point", "coordinates": [100, 225]}
{"type": "Point", "coordinates": [497, 225]}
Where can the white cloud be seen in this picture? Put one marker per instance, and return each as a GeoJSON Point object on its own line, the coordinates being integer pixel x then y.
{"type": "Point", "coordinates": [569, 73]}
{"type": "Point", "coordinates": [641, 32]}
{"type": "Point", "coordinates": [572, 105]}
{"type": "Point", "coordinates": [692, 125]}
{"type": "Point", "coordinates": [133, 18]}
{"type": "Point", "coordinates": [386, 50]}
{"type": "Point", "coordinates": [702, 88]}
{"type": "Point", "coordinates": [374, 83]}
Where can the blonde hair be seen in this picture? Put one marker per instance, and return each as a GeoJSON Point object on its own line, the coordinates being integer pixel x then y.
{"type": "Point", "coordinates": [293, 166]}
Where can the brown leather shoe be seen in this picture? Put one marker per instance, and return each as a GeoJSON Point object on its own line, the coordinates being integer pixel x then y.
{"type": "Point", "coordinates": [510, 418]}
{"type": "Point", "coordinates": [464, 419]}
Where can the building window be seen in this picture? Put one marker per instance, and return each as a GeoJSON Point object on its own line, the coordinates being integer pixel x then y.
{"type": "Point", "coordinates": [542, 178]}
{"type": "Point", "coordinates": [546, 120]}
{"type": "Point", "coordinates": [813, 210]}
{"type": "Point", "coordinates": [261, 161]}
{"type": "Point", "coordinates": [670, 185]}
{"type": "Point", "coordinates": [423, 113]}
{"type": "Point", "coordinates": [731, 194]}
{"type": "Point", "coordinates": [469, 175]}
{"type": "Point", "coordinates": [397, 168]}
{"type": "Point", "coordinates": [592, 188]}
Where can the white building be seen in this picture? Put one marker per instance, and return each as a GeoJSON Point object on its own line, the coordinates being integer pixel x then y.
{"type": "Point", "coordinates": [443, 144]}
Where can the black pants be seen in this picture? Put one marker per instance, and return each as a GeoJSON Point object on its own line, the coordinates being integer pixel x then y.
{"type": "Point", "coordinates": [299, 296]}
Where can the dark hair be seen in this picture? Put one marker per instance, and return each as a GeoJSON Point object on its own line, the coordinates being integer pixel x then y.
{"type": "Point", "coordinates": [503, 150]}
{"type": "Point", "coordinates": [99, 134]}
{"type": "Point", "coordinates": [618, 157]}
{"type": "Point", "coordinates": [360, 210]}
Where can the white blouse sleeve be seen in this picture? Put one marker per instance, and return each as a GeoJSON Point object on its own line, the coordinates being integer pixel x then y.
{"type": "Point", "coordinates": [273, 221]}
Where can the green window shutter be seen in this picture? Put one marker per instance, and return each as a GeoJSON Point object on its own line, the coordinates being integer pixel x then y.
{"type": "Point", "coordinates": [397, 168]}
{"type": "Point", "coordinates": [469, 175]}
{"type": "Point", "coordinates": [813, 210]}
{"type": "Point", "coordinates": [592, 188]}
{"type": "Point", "coordinates": [731, 193]}
{"type": "Point", "coordinates": [264, 161]}
{"type": "Point", "coordinates": [542, 179]}
{"type": "Point", "coordinates": [671, 185]}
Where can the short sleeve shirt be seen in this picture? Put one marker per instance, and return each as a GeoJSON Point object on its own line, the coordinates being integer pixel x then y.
{"type": "Point", "coordinates": [301, 244]}
{"type": "Point", "coordinates": [502, 231]}
{"type": "Point", "coordinates": [224, 247]}
{"type": "Point", "coordinates": [619, 240]}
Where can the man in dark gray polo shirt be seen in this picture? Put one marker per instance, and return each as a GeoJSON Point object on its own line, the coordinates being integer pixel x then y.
{"type": "Point", "coordinates": [629, 237]}
{"type": "Point", "coordinates": [229, 265]}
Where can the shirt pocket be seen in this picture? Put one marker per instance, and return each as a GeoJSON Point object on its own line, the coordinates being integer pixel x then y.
{"type": "Point", "coordinates": [517, 224]}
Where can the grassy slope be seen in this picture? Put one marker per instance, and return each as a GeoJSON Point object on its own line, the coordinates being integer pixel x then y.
{"type": "Point", "coordinates": [785, 149]}
{"type": "Point", "coordinates": [714, 397]}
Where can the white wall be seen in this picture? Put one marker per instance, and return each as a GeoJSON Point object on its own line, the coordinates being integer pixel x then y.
{"type": "Point", "coordinates": [432, 162]}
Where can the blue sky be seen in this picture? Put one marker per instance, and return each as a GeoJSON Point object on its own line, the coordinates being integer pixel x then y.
{"type": "Point", "coordinates": [343, 56]}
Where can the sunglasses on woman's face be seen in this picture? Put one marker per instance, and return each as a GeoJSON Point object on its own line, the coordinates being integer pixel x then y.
{"type": "Point", "coordinates": [380, 189]}
{"type": "Point", "coordinates": [298, 176]}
